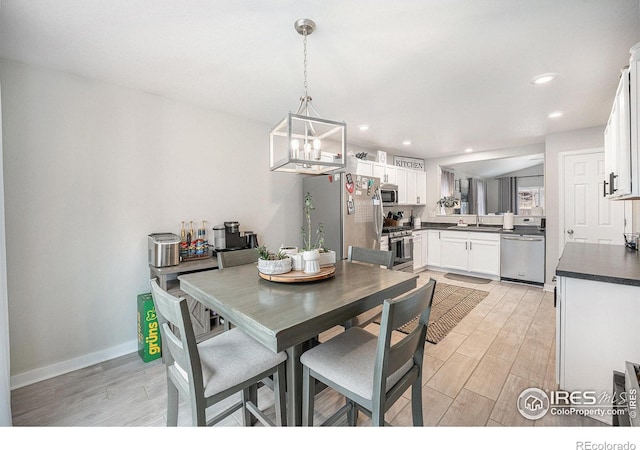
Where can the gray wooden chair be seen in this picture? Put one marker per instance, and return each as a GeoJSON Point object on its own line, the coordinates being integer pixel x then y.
{"type": "Point", "coordinates": [374, 257]}
{"type": "Point", "coordinates": [370, 371]}
{"type": "Point", "coordinates": [215, 369]}
{"type": "Point", "coordinates": [236, 258]}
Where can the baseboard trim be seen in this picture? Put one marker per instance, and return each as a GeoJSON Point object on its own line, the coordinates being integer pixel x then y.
{"type": "Point", "coordinates": [44, 373]}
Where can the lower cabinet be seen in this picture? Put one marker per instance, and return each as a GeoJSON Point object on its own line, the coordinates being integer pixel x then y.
{"type": "Point", "coordinates": [420, 245]}
{"type": "Point", "coordinates": [433, 248]}
{"type": "Point", "coordinates": [596, 333]}
{"type": "Point", "coordinates": [470, 252]}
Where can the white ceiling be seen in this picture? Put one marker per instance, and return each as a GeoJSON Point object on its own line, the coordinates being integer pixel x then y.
{"type": "Point", "coordinates": [446, 74]}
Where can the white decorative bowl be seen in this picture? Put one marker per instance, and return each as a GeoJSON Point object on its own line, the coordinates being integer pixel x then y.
{"type": "Point", "coordinates": [274, 266]}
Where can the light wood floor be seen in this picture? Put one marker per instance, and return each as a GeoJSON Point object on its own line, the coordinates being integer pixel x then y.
{"type": "Point", "coordinates": [471, 378]}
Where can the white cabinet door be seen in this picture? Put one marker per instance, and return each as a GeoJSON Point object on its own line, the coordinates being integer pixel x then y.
{"type": "Point", "coordinates": [421, 188]}
{"type": "Point", "coordinates": [364, 168]}
{"type": "Point", "coordinates": [484, 254]}
{"type": "Point", "coordinates": [417, 251]}
{"type": "Point", "coordinates": [379, 171]}
{"type": "Point", "coordinates": [401, 181]}
{"type": "Point", "coordinates": [455, 249]}
{"type": "Point", "coordinates": [433, 249]}
{"type": "Point", "coordinates": [391, 174]}
{"type": "Point", "coordinates": [598, 332]}
{"type": "Point", "coordinates": [425, 248]}
{"type": "Point", "coordinates": [412, 176]}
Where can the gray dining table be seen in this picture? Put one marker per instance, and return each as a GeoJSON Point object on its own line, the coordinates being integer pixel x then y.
{"type": "Point", "coordinates": [289, 316]}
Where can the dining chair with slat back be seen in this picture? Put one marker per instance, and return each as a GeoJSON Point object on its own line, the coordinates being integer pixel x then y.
{"type": "Point", "coordinates": [215, 369]}
{"type": "Point", "coordinates": [373, 257]}
{"type": "Point", "coordinates": [369, 370]}
{"type": "Point", "coordinates": [236, 258]}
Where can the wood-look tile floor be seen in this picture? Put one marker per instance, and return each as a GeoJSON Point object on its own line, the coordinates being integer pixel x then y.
{"type": "Point", "coordinates": [471, 378]}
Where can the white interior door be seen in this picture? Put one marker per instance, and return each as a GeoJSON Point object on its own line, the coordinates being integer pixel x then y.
{"type": "Point", "coordinates": [587, 216]}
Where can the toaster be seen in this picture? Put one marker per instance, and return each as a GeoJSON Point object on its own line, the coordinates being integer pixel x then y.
{"type": "Point", "coordinates": [164, 249]}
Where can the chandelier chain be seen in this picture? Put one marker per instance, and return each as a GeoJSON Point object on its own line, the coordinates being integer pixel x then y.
{"type": "Point", "coordinates": [305, 63]}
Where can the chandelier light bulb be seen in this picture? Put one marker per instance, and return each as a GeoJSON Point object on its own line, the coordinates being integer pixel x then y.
{"type": "Point", "coordinates": [307, 150]}
{"type": "Point", "coordinates": [295, 146]}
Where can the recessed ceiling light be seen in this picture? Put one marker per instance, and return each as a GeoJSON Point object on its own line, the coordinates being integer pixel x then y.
{"type": "Point", "coordinates": [555, 115]}
{"type": "Point", "coordinates": [363, 127]}
{"type": "Point", "coordinates": [407, 142]}
{"type": "Point", "coordinates": [468, 150]}
{"type": "Point", "coordinates": [544, 78]}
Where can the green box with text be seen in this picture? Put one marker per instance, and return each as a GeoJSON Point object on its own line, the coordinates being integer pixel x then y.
{"type": "Point", "coordinates": [149, 342]}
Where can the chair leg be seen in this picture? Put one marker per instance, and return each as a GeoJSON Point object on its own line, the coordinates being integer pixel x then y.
{"type": "Point", "coordinates": [172, 404]}
{"type": "Point", "coordinates": [308, 394]}
{"type": "Point", "coordinates": [352, 413]}
{"type": "Point", "coordinates": [246, 415]}
{"type": "Point", "coordinates": [279, 395]}
{"type": "Point", "coordinates": [416, 403]}
{"type": "Point", "coordinates": [198, 414]}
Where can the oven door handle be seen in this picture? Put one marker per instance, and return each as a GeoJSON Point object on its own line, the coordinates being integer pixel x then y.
{"type": "Point", "coordinates": [393, 240]}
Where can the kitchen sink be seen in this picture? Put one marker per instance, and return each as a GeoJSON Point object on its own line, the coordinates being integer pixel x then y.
{"type": "Point", "coordinates": [489, 227]}
{"type": "Point", "coordinates": [476, 227]}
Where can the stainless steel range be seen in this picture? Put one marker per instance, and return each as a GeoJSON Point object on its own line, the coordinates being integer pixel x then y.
{"type": "Point", "coordinates": [400, 242]}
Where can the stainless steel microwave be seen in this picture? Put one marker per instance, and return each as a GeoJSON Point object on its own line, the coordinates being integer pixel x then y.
{"type": "Point", "coordinates": [389, 194]}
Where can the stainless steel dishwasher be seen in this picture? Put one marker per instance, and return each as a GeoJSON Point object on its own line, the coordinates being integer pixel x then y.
{"type": "Point", "coordinates": [522, 258]}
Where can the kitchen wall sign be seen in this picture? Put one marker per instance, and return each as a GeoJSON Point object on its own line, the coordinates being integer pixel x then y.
{"type": "Point", "coordinates": [408, 163]}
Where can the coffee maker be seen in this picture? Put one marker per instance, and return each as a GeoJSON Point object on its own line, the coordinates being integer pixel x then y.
{"type": "Point", "coordinates": [232, 238]}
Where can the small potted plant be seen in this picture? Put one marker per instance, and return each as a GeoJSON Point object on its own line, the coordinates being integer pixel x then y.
{"type": "Point", "coordinates": [314, 249]}
{"type": "Point", "coordinates": [272, 263]}
{"type": "Point", "coordinates": [447, 204]}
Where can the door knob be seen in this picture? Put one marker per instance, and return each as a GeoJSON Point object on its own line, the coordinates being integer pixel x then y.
{"type": "Point", "coordinates": [569, 231]}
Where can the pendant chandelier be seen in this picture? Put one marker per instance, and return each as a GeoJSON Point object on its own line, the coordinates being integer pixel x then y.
{"type": "Point", "coordinates": [304, 142]}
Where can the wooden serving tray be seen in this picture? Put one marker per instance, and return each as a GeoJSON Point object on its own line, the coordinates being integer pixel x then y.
{"type": "Point", "coordinates": [298, 276]}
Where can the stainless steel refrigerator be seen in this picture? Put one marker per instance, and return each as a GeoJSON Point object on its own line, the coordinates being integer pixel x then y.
{"type": "Point", "coordinates": [349, 208]}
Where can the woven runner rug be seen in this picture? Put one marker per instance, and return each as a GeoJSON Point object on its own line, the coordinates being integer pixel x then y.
{"type": "Point", "coordinates": [450, 305]}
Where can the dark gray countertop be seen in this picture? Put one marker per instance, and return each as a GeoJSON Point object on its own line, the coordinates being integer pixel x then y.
{"type": "Point", "coordinates": [600, 262]}
{"type": "Point", "coordinates": [518, 229]}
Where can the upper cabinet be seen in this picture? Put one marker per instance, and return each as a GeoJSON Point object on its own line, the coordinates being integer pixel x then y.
{"type": "Point", "coordinates": [621, 135]}
{"type": "Point", "coordinates": [412, 184]}
{"type": "Point", "coordinates": [385, 172]}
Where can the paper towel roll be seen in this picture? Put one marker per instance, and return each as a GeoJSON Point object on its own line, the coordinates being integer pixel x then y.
{"type": "Point", "coordinates": [507, 223]}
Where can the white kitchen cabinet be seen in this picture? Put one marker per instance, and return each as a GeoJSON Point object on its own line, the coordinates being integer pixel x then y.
{"type": "Point", "coordinates": [433, 248]}
{"type": "Point", "coordinates": [421, 188]}
{"type": "Point", "coordinates": [471, 252]}
{"type": "Point", "coordinates": [596, 333]}
{"type": "Point", "coordinates": [621, 136]}
{"type": "Point", "coordinates": [364, 168]}
{"type": "Point", "coordinates": [412, 186]}
{"type": "Point", "coordinates": [385, 172]}
{"type": "Point", "coordinates": [420, 245]}
{"type": "Point", "coordinates": [455, 250]}
{"type": "Point", "coordinates": [401, 181]}
{"type": "Point", "coordinates": [425, 247]}
{"type": "Point", "coordinates": [417, 251]}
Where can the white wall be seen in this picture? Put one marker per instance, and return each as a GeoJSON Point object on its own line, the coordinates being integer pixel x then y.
{"type": "Point", "coordinates": [90, 169]}
{"type": "Point", "coordinates": [5, 387]}
{"type": "Point", "coordinates": [554, 144]}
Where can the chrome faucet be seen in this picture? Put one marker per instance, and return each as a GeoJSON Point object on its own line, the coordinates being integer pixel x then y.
{"type": "Point", "coordinates": [478, 220]}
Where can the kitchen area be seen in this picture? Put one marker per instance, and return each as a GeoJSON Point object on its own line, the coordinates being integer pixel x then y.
{"type": "Point", "coordinates": [451, 162]}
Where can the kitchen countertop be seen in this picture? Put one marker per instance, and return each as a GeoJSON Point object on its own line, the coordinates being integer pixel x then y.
{"type": "Point", "coordinates": [600, 262]}
{"type": "Point", "coordinates": [529, 230]}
